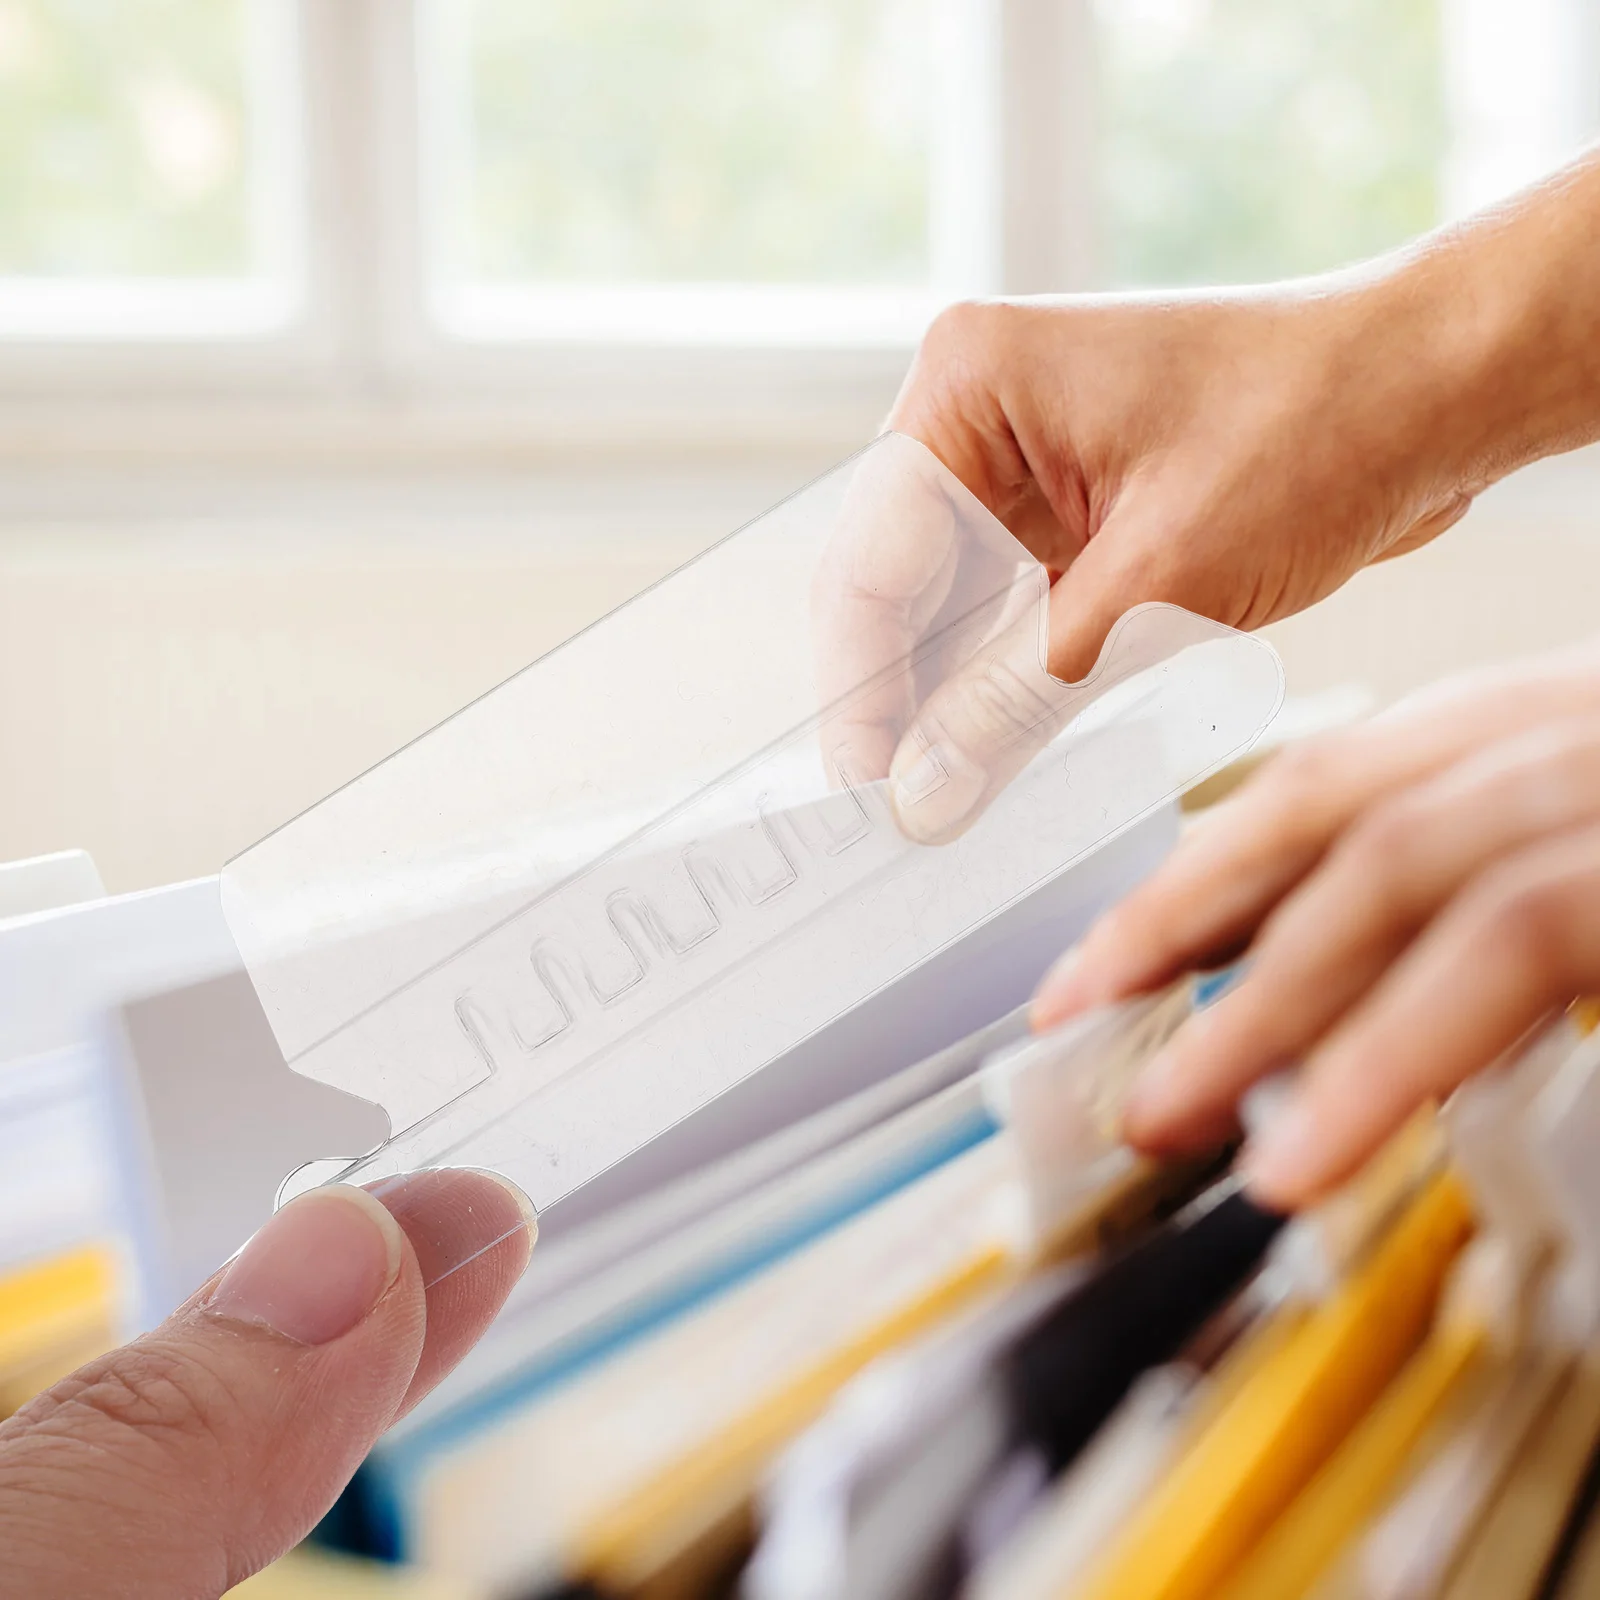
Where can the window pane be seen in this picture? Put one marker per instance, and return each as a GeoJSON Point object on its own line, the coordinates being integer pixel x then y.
{"type": "Point", "coordinates": [1249, 139]}
{"type": "Point", "coordinates": [126, 144]}
{"type": "Point", "coordinates": [641, 142]}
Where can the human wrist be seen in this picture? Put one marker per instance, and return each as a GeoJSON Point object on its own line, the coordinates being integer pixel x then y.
{"type": "Point", "coordinates": [1504, 312]}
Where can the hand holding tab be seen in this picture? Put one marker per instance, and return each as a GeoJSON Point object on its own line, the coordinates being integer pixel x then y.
{"type": "Point", "coordinates": [934, 638]}
{"type": "Point", "coordinates": [649, 865]}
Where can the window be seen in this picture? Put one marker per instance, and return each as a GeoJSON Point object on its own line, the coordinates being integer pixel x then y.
{"type": "Point", "coordinates": [142, 186]}
{"type": "Point", "coordinates": [711, 167]}
{"type": "Point", "coordinates": [709, 206]}
{"type": "Point", "coordinates": [1253, 139]}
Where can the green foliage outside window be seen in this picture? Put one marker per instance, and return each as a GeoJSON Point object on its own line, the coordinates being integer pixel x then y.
{"type": "Point", "coordinates": [762, 141]}
{"type": "Point", "coordinates": [123, 138]}
{"type": "Point", "coordinates": [1251, 139]}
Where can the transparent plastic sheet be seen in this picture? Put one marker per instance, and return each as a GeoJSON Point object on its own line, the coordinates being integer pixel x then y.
{"type": "Point", "coordinates": [672, 848]}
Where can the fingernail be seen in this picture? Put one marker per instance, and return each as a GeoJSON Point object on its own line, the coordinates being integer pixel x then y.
{"type": "Point", "coordinates": [935, 794]}
{"type": "Point", "coordinates": [316, 1269]}
{"type": "Point", "coordinates": [525, 1207]}
{"type": "Point", "coordinates": [453, 1215]}
{"type": "Point", "coordinates": [915, 779]}
{"type": "Point", "coordinates": [1276, 1166]}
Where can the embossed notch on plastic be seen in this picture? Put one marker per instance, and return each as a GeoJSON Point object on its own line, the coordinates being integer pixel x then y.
{"type": "Point", "coordinates": [674, 847]}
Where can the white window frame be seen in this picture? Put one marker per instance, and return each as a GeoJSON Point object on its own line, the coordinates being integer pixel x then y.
{"type": "Point", "coordinates": [368, 359]}
{"type": "Point", "coordinates": [366, 367]}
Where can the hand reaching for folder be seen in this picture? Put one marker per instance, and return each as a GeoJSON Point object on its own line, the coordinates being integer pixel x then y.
{"type": "Point", "coordinates": [1415, 893]}
{"type": "Point", "coordinates": [175, 1467]}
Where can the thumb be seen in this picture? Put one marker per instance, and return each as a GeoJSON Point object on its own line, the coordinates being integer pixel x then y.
{"type": "Point", "coordinates": [979, 728]}
{"type": "Point", "coordinates": [973, 734]}
{"type": "Point", "coordinates": [185, 1461]}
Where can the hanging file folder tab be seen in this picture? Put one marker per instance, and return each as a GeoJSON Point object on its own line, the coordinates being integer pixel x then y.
{"type": "Point", "coordinates": [1059, 1096]}
{"type": "Point", "coordinates": [673, 848]}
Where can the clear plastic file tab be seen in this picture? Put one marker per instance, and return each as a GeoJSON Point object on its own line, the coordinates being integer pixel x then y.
{"type": "Point", "coordinates": [737, 807]}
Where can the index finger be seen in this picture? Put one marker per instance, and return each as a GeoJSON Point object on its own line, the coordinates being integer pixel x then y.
{"type": "Point", "coordinates": [472, 1233]}
{"type": "Point", "coordinates": [1240, 862]}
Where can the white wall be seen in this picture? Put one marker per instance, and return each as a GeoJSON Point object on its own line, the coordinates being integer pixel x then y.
{"type": "Point", "coordinates": [183, 665]}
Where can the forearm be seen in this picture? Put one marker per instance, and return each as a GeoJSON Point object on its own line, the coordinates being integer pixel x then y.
{"type": "Point", "coordinates": [1500, 319]}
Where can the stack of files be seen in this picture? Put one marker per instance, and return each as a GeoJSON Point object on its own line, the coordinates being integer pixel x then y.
{"type": "Point", "coordinates": [58, 1309]}
{"type": "Point", "coordinates": [309, 1573]}
{"type": "Point", "coordinates": [63, 1201]}
{"type": "Point", "coordinates": [886, 1058]}
{"type": "Point", "coordinates": [921, 1361]}
{"type": "Point", "coordinates": [689, 1312]}
{"type": "Point", "coordinates": [82, 1241]}
{"type": "Point", "coordinates": [146, 1118]}
{"type": "Point", "coordinates": [146, 1113]}
{"type": "Point", "coordinates": [972, 1347]}
{"type": "Point", "coordinates": [626, 1415]}
{"type": "Point", "coordinates": [830, 1132]}
{"type": "Point", "coordinates": [149, 1120]}
{"type": "Point", "coordinates": [1403, 1402]}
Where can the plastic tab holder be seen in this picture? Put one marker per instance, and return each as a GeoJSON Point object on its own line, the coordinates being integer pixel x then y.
{"type": "Point", "coordinates": [739, 805]}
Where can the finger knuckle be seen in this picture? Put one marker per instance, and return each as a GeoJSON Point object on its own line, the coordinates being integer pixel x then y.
{"type": "Point", "coordinates": [1004, 707]}
{"type": "Point", "coordinates": [1290, 808]}
{"type": "Point", "coordinates": [1383, 847]}
{"type": "Point", "coordinates": [1575, 740]}
{"type": "Point", "coordinates": [1303, 774]}
{"type": "Point", "coordinates": [1568, 782]}
{"type": "Point", "coordinates": [961, 325]}
{"type": "Point", "coordinates": [1524, 919]}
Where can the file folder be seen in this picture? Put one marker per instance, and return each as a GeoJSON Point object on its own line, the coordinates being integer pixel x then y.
{"type": "Point", "coordinates": [681, 845]}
